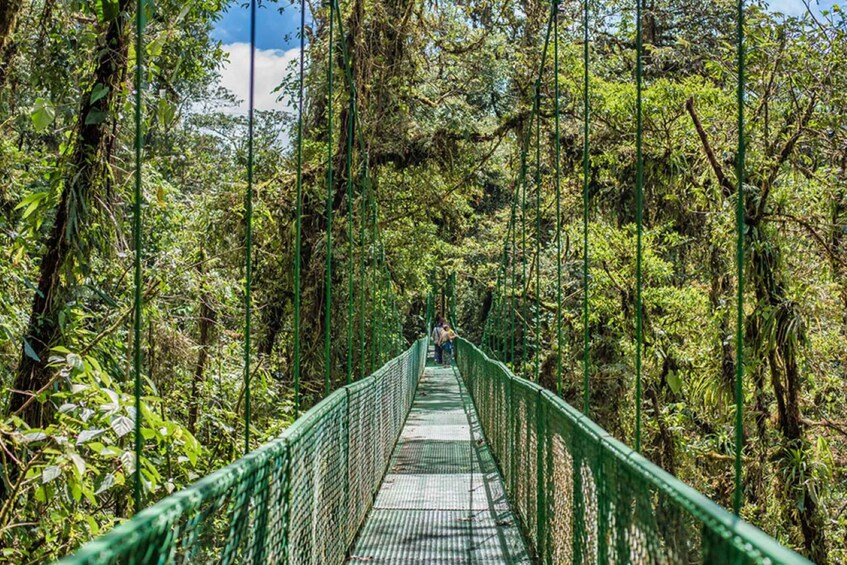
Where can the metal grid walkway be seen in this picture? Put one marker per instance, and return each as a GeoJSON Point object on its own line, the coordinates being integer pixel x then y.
{"type": "Point", "coordinates": [442, 500]}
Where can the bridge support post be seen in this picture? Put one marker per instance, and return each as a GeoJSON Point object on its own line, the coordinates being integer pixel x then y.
{"type": "Point", "coordinates": [510, 432]}
{"type": "Point", "coordinates": [603, 506]}
{"type": "Point", "coordinates": [577, 501]}
{"type": "Point", "coordinates": [541, 496]}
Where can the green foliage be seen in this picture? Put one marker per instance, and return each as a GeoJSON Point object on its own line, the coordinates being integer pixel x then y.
{"type": "Point", "coordinates": [444, 93]}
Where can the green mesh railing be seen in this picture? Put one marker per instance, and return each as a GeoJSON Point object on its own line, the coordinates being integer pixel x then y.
{"type": "Point", "coordinates": [584, 497]}
{"type": "Point", "coordinates": [298, 499]}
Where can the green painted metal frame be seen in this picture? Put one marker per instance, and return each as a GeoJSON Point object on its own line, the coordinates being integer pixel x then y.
{"type": "Point", "coordinates": [298, 499]}
{"type": "Point", "coordinates": [584, 497]}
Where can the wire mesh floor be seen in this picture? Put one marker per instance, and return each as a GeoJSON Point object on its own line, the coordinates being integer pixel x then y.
{"type": "Point", "coordinates": [442, 500]}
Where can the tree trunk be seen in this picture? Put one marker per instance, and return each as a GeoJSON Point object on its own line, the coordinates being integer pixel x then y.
{"type": "Point", "coordinates": [777, 313]}
{"type": "Point", "coordinates": [85, 174]}
{"type": "Point", "coordinates": [205, 322]}
{"type": "Point", "coordinates": [8, 17]}
{"type": "Point", "coordinates": [719, 297]}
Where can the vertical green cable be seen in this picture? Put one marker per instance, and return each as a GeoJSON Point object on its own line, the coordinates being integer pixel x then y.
{"type": "Point", "coordinates": [350, 297]}
{"type": "Point", "coordinates": [537, 341]}
{"type": "Point", "coordinates": [586, 108]}
{"type": "Point", "coordinates": [497, 340]}
{"type": "Point", "coordinates": [524, 313]}
{"type": "Point", "coordinates": [374, 293]}
{"type": "Point", "coordinates": [248, 283]}
{"type": "Point", "coordinates": [503, 313]}
{"type": "Point", "coordinates": [380, 305]}
{"type": "Point", "coordinates": [398, 336]}
{"type": "Point", "coordinates": [453, 298]}
{"type": "Point", "coordinates": [512, 262]}
{"type": "Point", "coordinates": [639, 218]}
{"type": "Point", "coordinates": [136, 237]}
{"type": "Point", "coordinates": [328, 302]}
{"type": "Point", "coordinates": [559, 340]}
{"type": "Point", "coordinates": [362, 247]}
{"type": "Point", "coordinates": [739, 261]}
{"type": "Point", "coordinates": [298, 222]}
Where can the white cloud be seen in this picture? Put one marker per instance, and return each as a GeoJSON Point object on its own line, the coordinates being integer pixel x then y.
{"type": "Point", "coordinates": [271, 65]}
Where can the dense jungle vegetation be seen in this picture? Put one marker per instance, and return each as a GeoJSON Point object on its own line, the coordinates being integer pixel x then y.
{"type": "Point", "coordinates": [444, 93]}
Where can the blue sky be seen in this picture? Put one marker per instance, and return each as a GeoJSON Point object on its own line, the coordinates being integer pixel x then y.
{"type": "Point", "coordinates": [274, 30]}
{"type": "Point", "coordinates": [796, 7]}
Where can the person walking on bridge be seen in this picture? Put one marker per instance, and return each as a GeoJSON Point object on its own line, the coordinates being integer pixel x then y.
{"type": "Point", "coordinates": [437, 331]}
{"type": "Point", "coordinates": [447, 337]}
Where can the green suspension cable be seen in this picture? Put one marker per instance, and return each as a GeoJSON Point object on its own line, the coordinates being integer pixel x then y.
{"type": "Point", "coordinates": [380, 305]}
{"type": "Point", "coordinates": [350, 274]}
{"type": "Point", "coordinates": [522, 184]}
{"type": "Point", "coordinates": [537, 341]}
{"type": "Point", "coordinates": [512, 262]}
{"type": "Point", "coordinates": [502, 312]}
{"type": "Point", "coordinates": [136, 237]}
{"type": "Point", "coordinates": [559, 339]}
{"type": "Point", "coordinates": [639, 218]}
{"type": "Point", "coordinates": [453, 297]}
{"type": "Point", "coordinates": [348, 73]}
{"type": "Point", "coordinates": [524, 313]}
{"type": "Point", "coordinates": [497, 341]}
{"type": "Point", "coordinates": [586, 108]}
{"type": "Point", "coordinates": [248, 283]}
{"type": "Point", "coordinates": [298, 222]}
{"type": "Point", "coordinates": [374, 293]}
{"type": "Point", "coordinates": [364, 182]}
{"type": "Point", "coordinates": [355, 128]}
{"type": "Point", "coordinates": [328, 302]}
{"type": "Point", "coordinates": [739, 260]}
{"type": "Point", "coordinates": [391, 319]}
{"type": "Point", "coordinates": [362, 251]}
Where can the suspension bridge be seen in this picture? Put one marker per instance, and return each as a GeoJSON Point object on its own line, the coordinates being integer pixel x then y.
{"type": "Point", "coordinates": [418, 463]}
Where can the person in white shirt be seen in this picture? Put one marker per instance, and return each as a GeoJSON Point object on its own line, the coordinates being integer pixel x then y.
{"type": "Point", "coordinates": [437, 331]}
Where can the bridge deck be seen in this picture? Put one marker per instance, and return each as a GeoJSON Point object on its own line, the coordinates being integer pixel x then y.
{"type": "Point", "coordinates": [443, 499]}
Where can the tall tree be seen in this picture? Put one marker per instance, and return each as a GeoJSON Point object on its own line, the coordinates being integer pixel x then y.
{"type": "Point", "coordinates": [86, 177]}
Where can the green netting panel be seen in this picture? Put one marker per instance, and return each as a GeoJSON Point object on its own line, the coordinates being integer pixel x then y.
{"type": "Point", "coordinates": [299, 499]}
{"type": "Point", "coordinates": [584, 497]}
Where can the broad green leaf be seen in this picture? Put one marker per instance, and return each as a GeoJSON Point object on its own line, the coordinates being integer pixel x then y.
{"type": "Point", "coordinates": [675, 382]}
{"type": "Point", "coordinates": [99, 91]}
{"type": "Point", "coordinates": [43, 114]}
{"type": "Point", "coordinates": [88, 435]}
{"type": "Point", "coordinates": [121, 425]}
{"type": "Point", "coordinates": [32, 436]}
{"type": "Point", "coordinates": [30, 352]}
{"type": "Point", "coordinates": [106, 483]}
{"type": "Point", "coordinates": [95, 116]}
{"type": "Point", "coordinates": [79, 463]}
{"type": "Point", "coordinates": [50, 473]}
{"type": "Point", "coordinates": [76, 489]}
{"type": "Point", "coordinates": [106, 10]}
{"type": "Point", "coordinates": [128, 461]}
{"type": "Point", "coordinates": [154, 48]}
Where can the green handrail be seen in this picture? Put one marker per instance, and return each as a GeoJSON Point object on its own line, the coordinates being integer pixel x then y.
{"type": "Point", "coordinates": [602, 502]}
{"type": "Point", "coordinates": [300, 498]}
